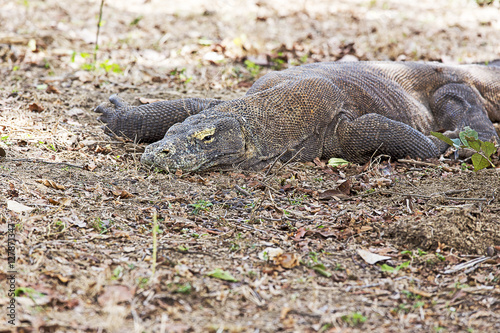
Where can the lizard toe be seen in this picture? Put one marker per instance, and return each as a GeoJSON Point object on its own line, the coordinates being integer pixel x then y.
{"type": "Point", "coordinates": [118, 102]}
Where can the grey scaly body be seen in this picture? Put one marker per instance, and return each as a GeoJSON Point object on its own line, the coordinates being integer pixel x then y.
{"type": "Point", "coordinates": [350, 110]}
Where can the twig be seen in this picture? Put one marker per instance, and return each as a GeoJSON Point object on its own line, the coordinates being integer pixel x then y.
{"type": "Point", "coordinates": [155, 244]}
{"type": "Point", "coordinates": [275, 161]}
{"type": "Point", "coordinates": [242, 191]}
{"type": "Point", "coordinates": [433, 196]}
{"type": "Point", "coordinates": [245, 226]}
{"type": "Point", "coordinates": [349, 288]}
{"type": "Point", "coordinates": [45, 162]}
{"type": "Point", "coordinates": [465, 265]}
{"type": "Point", "coordinates": [445, 168]}
{"type": "Point", "coordinates": [290, 160]}
{"type": "Point", "coordinates": [173, 249]}
{"type": "Point", "coordinates": [97, 33]}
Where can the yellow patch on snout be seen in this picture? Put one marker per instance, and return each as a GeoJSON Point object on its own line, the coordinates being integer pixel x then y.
{"type": "Point", "coordinates": [203, 133]}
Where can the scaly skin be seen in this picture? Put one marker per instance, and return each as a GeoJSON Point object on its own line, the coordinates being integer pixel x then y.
{"type": "Point", "coordinates": [350, 110]}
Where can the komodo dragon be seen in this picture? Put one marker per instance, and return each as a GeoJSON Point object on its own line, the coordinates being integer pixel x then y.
{"type": "Point", "coordinates": [350, 110]}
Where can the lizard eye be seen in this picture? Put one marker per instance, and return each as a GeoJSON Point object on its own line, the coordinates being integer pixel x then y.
{"type": "Point", "coordinates": [208, 138]}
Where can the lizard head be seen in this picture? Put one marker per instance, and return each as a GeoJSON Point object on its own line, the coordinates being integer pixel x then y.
{"type": "Point", "coordinates": [200, 142]}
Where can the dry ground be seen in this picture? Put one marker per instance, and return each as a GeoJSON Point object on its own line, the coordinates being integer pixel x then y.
{"type": "Point", "coordinates": [82, 208]}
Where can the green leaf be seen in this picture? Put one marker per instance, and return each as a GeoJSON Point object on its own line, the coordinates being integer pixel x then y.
{"type": "Point", "coordinates": [222, 275]}
{"type": "Point", "coordinates": [405, 264]}
{"type": "Point", "coordinates": [474, 144]}
{"type": "Point", "coordinates": [470, 132]}
{"type": "Point", "coordinates": [488, 148]}
{"type": "Point", "coordinates": [335, 162]}
{"type": "Point", "coordinates": [457, 143]}
{"type": "Point", "coordinates": [136, 20]}
{"type": "Point", "coordinates": [444, 138]}
{"type": "Point", "coordinates": [185, 289]}
{"type": "Point", "coordinates": [480, 162]}
{"type": "Point", "coordinates": [387, 268]}
{"type": "Point", "coordinates": [390, 269]}
{"type": "Point", "coordinates": [467, 135]}
{"type": "Point", "coordinates": [321, 269]}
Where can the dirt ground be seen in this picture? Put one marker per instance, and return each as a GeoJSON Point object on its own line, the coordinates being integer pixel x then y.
{"type": "Point", "coordinates": [105, 244]}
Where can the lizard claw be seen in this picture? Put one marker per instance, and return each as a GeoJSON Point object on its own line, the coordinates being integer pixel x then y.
{"type": "Point", "coordinates": [109, 113]}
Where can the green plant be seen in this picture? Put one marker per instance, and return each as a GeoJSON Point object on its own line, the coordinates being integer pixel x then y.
{"type": "Point", "coordinates": [297, 200]}
{"type": "Point", "coordinates": [136, 20]}
{"type": "Point", "coordinates": [201, 205]}
{"type": "Point", "coordinates": [234, 247]}
{"type": "Point", "coordinates": [468, 139]}
{"type": "Point", "coordinates": [354, 319]}
{"type": "Point", "coordinates": [180, 76]}
{"type": "Point", "coordinates": [60, 226]}
{"type": "Point", "coordinates": [421, 252]}
{"type": "Point", "coordinates": [117, 273]}
{"type": "Point", "coordinates": [99, 225]}
{"type": "Point", "coordinates": [314, 264]}
{"type": "Point", "coordinates": [252, 68]}
{"type": "Point", "coordinates": [110, 67]}
{"type": "Point", "coordinates": [440, 256]}
{"type": "Point", "coordinates": [336, 162]}
{"type": "Point", "coordinates": [390, 269]}
{"type": "Point", "coordinates": [418, 304]}
{"type": "Point", "coordinates": [143, 282]}
{"type": "Point", "coordinates": [30, 292]}
{"type": "Point", "coordinates": [185, 289]}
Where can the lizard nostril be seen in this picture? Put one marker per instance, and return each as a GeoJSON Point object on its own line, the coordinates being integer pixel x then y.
{"type": "Point", "coordinates": [165, 151]}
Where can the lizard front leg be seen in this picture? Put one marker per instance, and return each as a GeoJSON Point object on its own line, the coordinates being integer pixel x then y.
{"type": "Point", "coordinates": [373, 134]}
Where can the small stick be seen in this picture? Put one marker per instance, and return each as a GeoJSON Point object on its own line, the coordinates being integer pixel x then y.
{"type": "Point", "coordinates": [45, 162]}
{"type": "Point", "coordinates": [242, 191]}
{"type": "Point", "coordinates": [275, 161]}
{"type": "Point", "coordinates": [97, 33]}
{"type": "Point", "coordinates": [293, 157]}
{"type": "Point", "coordinates": [431, 196]}
{"type": "Point", "coordinates": [155, 244]}
{"type": "Point", "coordinates": [445, 168]}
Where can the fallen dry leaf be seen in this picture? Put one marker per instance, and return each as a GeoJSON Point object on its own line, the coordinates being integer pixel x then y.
{"type": "Point", "coordinates": [90, 167]}
{"type": "Point", "coordinates": [370, 257]}
{"type": "Point", "coordinates": [61, 278]}
{"type": "Point", "coordinates": [299, 234]}
{"type": "Point", "coordinates": [419, 292]}
{"type": "Point", "coordinates": [84, 76]}
{"type": "Point", "coordinates": [122, 194]}
{"type": "Point", "coordinates": [36, 107]}
{"type": "Point", "coordinates": [52, 89]}
{"type": "Point", "coordinates": [74, 112]}
{"type": "Point", "coordinates": [115, 294]}
{"type": "Point", "coordinates": [345, 187]}
{"type": "Point", "coordinates": [17, 207]}
{"type": "Point", "coordinates": [51, 183]}
{"type": "Point", "coordinates": [183, 270]}
{"type": "Point", "coordinates": [270, 253]}
{"type": "Point", "coordinates": [332, 194]}
{"type": "Point", "coordinates": [319, 163]}
{"type": "Point", "coordinates": [75, 220]}
{"type": "Point", "coordinates": [287, 260]}
{"type": "Point", "coordinates": [61, 201]}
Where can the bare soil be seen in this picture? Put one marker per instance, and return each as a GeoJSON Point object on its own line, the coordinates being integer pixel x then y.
{"type": "Point", "coordinates": [234, 251]}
